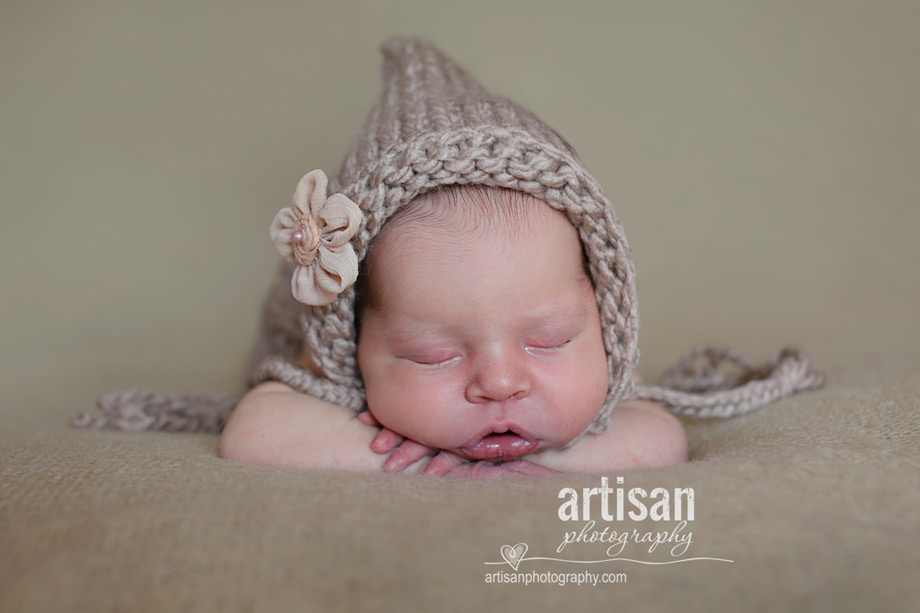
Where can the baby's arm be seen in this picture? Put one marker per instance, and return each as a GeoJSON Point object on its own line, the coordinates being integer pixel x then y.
{"type": "Point", "coordinates": [276, 426]}
{"type": "Point", "coordinates": [641, 435]}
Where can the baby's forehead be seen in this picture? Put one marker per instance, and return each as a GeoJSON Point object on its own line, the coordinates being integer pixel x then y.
{"type": "Point", "coordinates": [445, 230]}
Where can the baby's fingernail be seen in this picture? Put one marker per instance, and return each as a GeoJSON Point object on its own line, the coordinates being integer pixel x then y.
{"type": "Point", "coordinates": [380, 443]}
{"type": "Point", "coordinates": [392, 465]}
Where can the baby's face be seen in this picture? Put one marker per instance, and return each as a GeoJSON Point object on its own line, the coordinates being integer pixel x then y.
{"type": "Point", "coordinates": [487, 345]}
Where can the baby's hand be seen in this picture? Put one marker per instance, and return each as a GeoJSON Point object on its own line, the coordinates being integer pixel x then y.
{"type": "Point", "coordinates": [406, 452]}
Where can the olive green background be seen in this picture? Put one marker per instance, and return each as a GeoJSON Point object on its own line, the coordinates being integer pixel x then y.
{"type": "Point", "coordinates": [762, 156]}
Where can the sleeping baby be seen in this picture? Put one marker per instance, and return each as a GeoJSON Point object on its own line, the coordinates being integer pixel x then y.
{"type": "Point", "coordinates": [479, 340]}
{"type": "Point", "coordinates": [465, 305]}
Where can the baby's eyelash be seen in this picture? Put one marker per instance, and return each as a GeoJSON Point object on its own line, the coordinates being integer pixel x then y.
{"type": "Point", "coordinates": [433, 364]}
{"type": "Point", "coordinates": [551, 347]}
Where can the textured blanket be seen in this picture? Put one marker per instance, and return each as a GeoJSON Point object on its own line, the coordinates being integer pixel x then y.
{"type": "Point", "coordinates": [763, 160]}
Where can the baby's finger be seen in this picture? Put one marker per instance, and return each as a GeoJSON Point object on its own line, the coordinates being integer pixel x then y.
{"type": "Point", "coordinates": [367, 418]}
{"type": "Point", "coordinates": [385, 441]}
{"type": "Point", "coordinates": [442, 464]}
{"type": "Point", "coordinates": [407, 454]}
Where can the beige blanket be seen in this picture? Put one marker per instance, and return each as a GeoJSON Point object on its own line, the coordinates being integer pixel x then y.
{"type": "Point", "coordinates": [762, 157]}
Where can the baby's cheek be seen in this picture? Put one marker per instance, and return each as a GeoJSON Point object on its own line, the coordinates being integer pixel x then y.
{"type": "Point", "coordinates": [406, 406]}
{"type": "Point", "coordinates": [389, 407]}
{"type": "Point", "coordinates": [579, 391]}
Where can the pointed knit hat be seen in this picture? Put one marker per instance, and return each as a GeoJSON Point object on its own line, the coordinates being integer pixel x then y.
{"type": "Point", "coordinates": [434, 125]}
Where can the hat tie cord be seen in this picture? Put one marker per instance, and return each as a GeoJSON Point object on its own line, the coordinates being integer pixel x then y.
{"type": "Point", "coordinates": [696, 387]}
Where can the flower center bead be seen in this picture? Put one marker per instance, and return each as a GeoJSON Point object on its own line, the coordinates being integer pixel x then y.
{"type": "Point", "coordinates": [305, 240]}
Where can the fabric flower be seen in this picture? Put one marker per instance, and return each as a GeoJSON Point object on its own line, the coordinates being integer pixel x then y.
{"type": "Point", "coordinates": [315, 235]}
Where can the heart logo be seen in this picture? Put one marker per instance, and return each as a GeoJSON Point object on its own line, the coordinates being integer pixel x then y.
{"type": "Point", "coordinates": [514, 555]}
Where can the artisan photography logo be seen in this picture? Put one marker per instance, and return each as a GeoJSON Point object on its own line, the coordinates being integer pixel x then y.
{"type": "Point", "coordinates": [598, 534]}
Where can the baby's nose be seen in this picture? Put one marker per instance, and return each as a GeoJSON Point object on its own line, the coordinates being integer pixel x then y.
{"type": "Point", "coordinates": [498, 376]}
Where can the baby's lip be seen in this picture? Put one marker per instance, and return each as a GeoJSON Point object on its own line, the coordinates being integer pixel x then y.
{"type": "Point", "coordinates": [499, 443]}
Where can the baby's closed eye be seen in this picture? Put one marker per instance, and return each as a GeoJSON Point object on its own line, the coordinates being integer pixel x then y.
{"type": "Point", "coordinates": [431, 357]}
{"type": "Point", "coordinates": [547, 345]}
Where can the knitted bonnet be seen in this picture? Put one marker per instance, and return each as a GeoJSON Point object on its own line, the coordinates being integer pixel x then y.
{"type": "Point", "coordinates": [434, 125]}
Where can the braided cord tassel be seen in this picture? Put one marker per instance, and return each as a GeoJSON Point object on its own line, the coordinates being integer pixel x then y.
{"type": "Point", "coordinates": [139, 409]}
{"type": "Point", "coordinates": [696, 387]}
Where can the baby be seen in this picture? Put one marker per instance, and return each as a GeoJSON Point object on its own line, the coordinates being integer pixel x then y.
{"type": "Point", "coordinates": [480, 341]}
{"type": "Point", "coordinates": [470, 305]}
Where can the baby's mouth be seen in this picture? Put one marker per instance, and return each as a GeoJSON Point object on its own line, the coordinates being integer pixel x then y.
{"type": "Point", "coordinates": [504, 445]}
